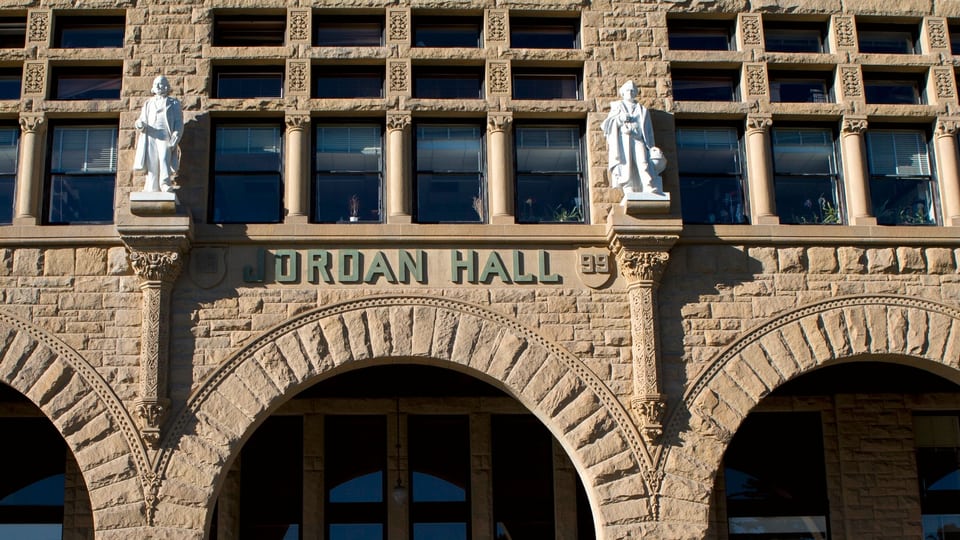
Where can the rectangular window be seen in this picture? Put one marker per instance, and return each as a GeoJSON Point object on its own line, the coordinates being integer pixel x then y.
{"type": "Point", "coordinates": [522, 477]}
{"type": "Point", "coordinates": [349, 173]}
{"type": "Point", "coordinates": [9, 146]}
{"type": "Point", "coordinates": [86, 83]}
{"type": "Point", "coordinates": [338, 81]}
{"type": "Point", "coordinates": [704, 85]}
{"type": "Point", "coordinates": [799, 88]}
{"type": "Point", "coordinates": [247, 185]}
{"type": "Point", "coordinates": [439, 476]}
{"type": "Point", "coordinates": [82, 174]}
{"type": "Point", "coordinates": [937, 439]}
{"type": "Point", "coordinates": [954, 39]}
{"type": "Point", "coordinates": [549, 174]}
{"type": "Point", "coordinates": [271, 497]}
{"type": "Point", "coordinates": [781, 36]}
{"type": "Point", "coordinates": [711, 175]}
{"type": "Point", "coordinates": [447, 32]}
{"type": "Point", "coordinates": [805, 176]}
{"type": "Point", "coordinates": [544, 33]}
{"type": "Point", "coordinates": [887, 38]}
{"type": "Point", "coordinates": [901, 184]}
{"type": "Point", "coordinates": [337, 31]}
{"type": "Point", "coordinates": [82, 32]}
{"type": "Point", "coordinates": [10, 83]}
{"type": "Point", "coordinates": [251, 29]}
{"type": "Point", "coordinates": [355, 476]}
{"type": "Point", "coordinates": [898, 90]}
{"type": "Point", "coordinates": [448, 83]}
{"type": "Point", "coordinates": [690, 35]}
{"type": "Point", "coordinates": [449, 167]}
{"type": "Point", "coordinates": [248, 81]}
{"type": "Point", "coordinates": [13, 32]}
{"type": "Point", "coordinates": [546, 84]}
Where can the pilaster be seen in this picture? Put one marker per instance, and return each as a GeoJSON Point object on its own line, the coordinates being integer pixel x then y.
{"type": "Point", "coordinates": [398, 184]}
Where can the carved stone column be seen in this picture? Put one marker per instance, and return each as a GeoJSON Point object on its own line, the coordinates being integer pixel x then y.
{"type": "Point", "coordinates": [856, 181]}
{"type": "Point", "coordinates": [28, 189]}
{"type": "Point", "coordinates": [642, 260]}
{"type": "Point", "coordinates": [945, 138]}
{"type": "Point", "coordinates": [760, 170]}
{"type": "Point", "coordinates": [398, 185]}
{"type": "Point", "coordinates": [296, 182]}
{"type": "Point", "coordinates": [501, 192]}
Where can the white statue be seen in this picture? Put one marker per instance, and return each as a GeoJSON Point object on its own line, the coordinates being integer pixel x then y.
{"type": "Point", "coordinates": [160, 126]}
{"type": "Point", "coordinates": [634, 162]}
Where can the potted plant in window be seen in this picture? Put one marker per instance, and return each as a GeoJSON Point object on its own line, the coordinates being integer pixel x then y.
{"type": "Point", "coordinates": [354, 205]}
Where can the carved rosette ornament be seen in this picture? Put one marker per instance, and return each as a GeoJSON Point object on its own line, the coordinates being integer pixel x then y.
{"type": "Point", "coordinates": [34, 78]}
{"type": "Point", "coordinates": [38, 27]}
{"type": "Point", "coordinates": [642, 261]}
{"type": "Point", "coordinates": [299, 25]}
{"type": "Point", "coordinates": [850, 80]}
{"type": "Point", "coordinates": [399, 77]}
{"type": "Point", "coordinates": [937, 31]}
{"type": "Point", "coordinates": [756, 79]}
{"type": "Point", "coordinates": [498, 78]}
{"type": "Point", "coordinates": [399, 25]}
{"type": "Point", "coordinates": [497, 26]}
{"type": "Point", "coordinates": [944, 81]}
{"type": "Point", "coordinates": [298, 77]}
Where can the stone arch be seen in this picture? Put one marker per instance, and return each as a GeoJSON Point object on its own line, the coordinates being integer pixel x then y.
{"type": "Point", "coordinates": [571, 400]}
{"type": "Point", "coordinates": [91, 418]}
{"type": "Point", "coordinates": [918, 332]}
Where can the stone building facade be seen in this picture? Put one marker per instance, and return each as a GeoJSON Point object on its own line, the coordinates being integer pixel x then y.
{"type": "Point", "coordinates": [495, 347]}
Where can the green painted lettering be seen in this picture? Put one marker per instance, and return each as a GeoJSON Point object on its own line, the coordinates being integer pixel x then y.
{"type": "Point", "coordinates": [544, 275]}
{"type": "Point", "coordinates": [379, 267]}
{"type": "Point", "coordinates": [412, 264]}
{"type": "Point", "coordinates": [318, 266]}
{"type": "Point", "coordinates": [518, 275]}
{"type": "Point", "coordinates": [287, 266]}
{"type": "Point", "coordinates": [458, 264]}
{"type": "Point", "coordinates": [494, 267]}
{"type": "Point", "coordinates": [348, 266]}
{"type": "Point", "coordinates": [255, 274]}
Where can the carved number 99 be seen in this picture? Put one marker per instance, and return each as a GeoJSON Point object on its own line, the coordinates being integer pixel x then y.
{"type": "Point", "coordinates": [595, 264]}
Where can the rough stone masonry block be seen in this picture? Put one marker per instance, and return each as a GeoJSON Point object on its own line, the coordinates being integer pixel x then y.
{"type": "Point", "coordinates": [58, 262]}
{"type": "Point", "coordinates": [881, 261]}
{"type": "Point", "coordinates": [852, 260]}
{"type": "Point", "coordinates": [28, 262]}
{"type": "Point", "coordinates": [910, 260]}
{"type": "Point", "coordinates": [91, 261]}
{"type": "Point", "coordinates": [940, 260]}
{"type": "Point", "coordinates": [822, 260]}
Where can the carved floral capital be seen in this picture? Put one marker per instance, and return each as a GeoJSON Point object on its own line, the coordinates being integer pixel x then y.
{"type": "Point", "coordinates": [31, 124]}
{"type": "Point", "coordinates": [296, 122]}
{"type": "Point", "coordinates": [156, 265]}
{"type": "Point", "coordinates": [399, 121]}
{"type": "Point", "coordinates": [947, 127]}
{"type": "Point", "coordinates": [499, 122]}
{"type": "Point", "coordinates": [650, 410]}
{"type": "Point", "coordinates": [853, 126]}
{"type": "Point", "coordinates": [758, 122]}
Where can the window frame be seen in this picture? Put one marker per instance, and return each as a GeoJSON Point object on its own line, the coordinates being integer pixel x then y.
{"type": "Point", "coordinates": [215, 173]}
{"type": "Point", "coordinates": [777, 78]}
{"type": "Point", "coordinates": [874, 82]}
{"type": "Point", "coordinates": [518, 25]}
{"type": "Point", "coordinates": [688, 29]}
{"type": "Point", "coordinates": [8, 179]}
{"type": "Point", "coordinates": [935, 506]}
{"type": "Point", "coordinates": [420, 175]}
{"type": "Point", "coordinates": [338, 72]}
{"type": "Point", "coordinates": [105, 213]}
{"type": "Point", "coordinates": [13, 32]}
{"type": "Point", "coordinates": [879, 38]}
{"type": "Point", "coordinates": [546, 75]}
{"type": "Point", "coordinates": [787, 28]}
{"type": "Point", "coordinates": [474, 74]}
{"type": "Point", "coordinates": [316, 193]}
{"type": "Point", "coordinates": [738, 180]}
{"type": "Point", "coordinates": [243, 72]}
{"type": "Point", "coordinates": [343, 22]}
{"type": "Point", "coordinates": [528, 211]}
{"type": "Point", "coordinates": [705, 75]}
{"type": "Point", "coordinates": [253, 24]}
{"type": "Point", "coordinates": [105, 74]}
{"type": "Point", "coordinates": [922, 182]}
{"type": "Point", "coordinates": [421, 23]}
{"type": "Point", "coordinates": [825, 210]}
{"type": "Point", "coordinates": [79, 23]}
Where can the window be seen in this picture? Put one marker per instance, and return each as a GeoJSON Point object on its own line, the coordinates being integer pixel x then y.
{"type": "Point", "coordinates": [271, 505]}
{"type": "Point", "coordinates": [711, 175]}
{"type": "Point", "coordinates": [447, 32]}
{"type": "Point", "coordinates": [32, 482]}
{"type": "Point", "coordinates": [887, 38]}
{"type": "Point", "coordinates": [901, 185]}
{"type": "Point", "coordinates": [439, 476]}
{"type": "Point", "coordinates": [801, 87]}
{"type": "Point", "coordinates": [335, 31]}
{"type": "Point", "coordinates": [9, 141]}
{"type": "Point", "coordinates": [448, 82]}
{"type": "Point", "coordinates": [689, 35]}
{"type": "Point", "coordinates": [248, 81]}
{"type": "Point", "coordinates": [781, 36]}
{"type": "Point", "coordinates": [937, 439]}
{"type": "Point", "coordinates": [70, 83]}
{"type": "Point", "coordinates": [522, 477]}
{"type": "Point", "coordinates": [82, 175]}
{"type": "Point", "coordinates": [247, 187]}
{"type": "Point", "coordinates": [81, 32]}
{"type": "Point", "coordinates": [10, 83]}
{"type": "Point", "coordinates": [954, 39]}
{"type": "Point", "coordinates": [704, 85]}
{"type": "Point", "coordinates": [805, 176]}
{"type": "Point", "coordinates": [549, 174]}
{"type": "Point", "coordinates": [765, 500]}
{"type": "Point", "coordinates": [544, 33]}
{"type": "Point", "coordinates": [900, 89]}
{"type": "Point", "coordinates": [355, 476]}
{"type": "Point", "coordinates": [449, 166]}
{"type": "Point", "coordinates": [249, 30]}
{"type": "Point", "coordinates": [336, 81]}
{"type": "Point", "coordinates": [13, 32]}
{"type": "Point", "coordinates": [546, 84]}
{"type": "Point", "coordinates": [348, 165]}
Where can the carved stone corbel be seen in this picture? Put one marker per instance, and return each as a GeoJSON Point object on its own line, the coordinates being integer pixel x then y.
{"type": "Point", "coordinates": [642, 260]}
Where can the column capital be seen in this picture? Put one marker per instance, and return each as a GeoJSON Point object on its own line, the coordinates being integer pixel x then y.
{"type": "Point", "coordinates": [398, 120]}
{"type": "Point", "coordinates": [162, 265]}
{"type": "Point", "coordinates": [297, 120]}
{"type": "Point", "coordinates": [853, 125]}
{"type": "Point", "coordinates": [32, 123]}
{"type": "Point", "coordinates": [759, 122]}
{"type": "Point", "coordinates": [642, 258]}
{"type": "Point", "coordinates": [947, 127]}
{"type": "Point", "coordinates": [499, 122]}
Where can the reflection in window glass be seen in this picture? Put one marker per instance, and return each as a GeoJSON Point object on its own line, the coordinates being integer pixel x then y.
{"type": "Point", "coordinates": [886, 38]}
{"type": "Point", "coordinates": [348, 31]}
{"type": "Point", "coordinates": [892, 90]}
{"type": "Point", "coordinates": [954, 40]}
{"type": "Point", "coordinates": [447, 32]}
{"type": "Point", "coordinates": [88, 83]}
{"type": "Point", "coordinates": [32, 479]}
{"type": "Point", "coordinates": [793, 37]}
{"type": "Point", "coordinates": [271, 495]}
{"type": "Point", "coordinates": [711, 175]}
{"type": "Point", "coordinates": [449, 165]}
{"type": "Point", "coordinates": [348, 164]}
{"type": "Point", "coordinates": [704, 85]}
{"type": "Point", "coordinates": [355, 468]}
{"type": "Point", "coordinates": [249, 30]}
{"type": "Point", "coordinates": [347, 81]}
{"type": "Point", "coordinates": [549, 174]}
{"type": "Point", "coordinates": [937, 439]}
{"type": "Point", "coordinates": [539, 84]}
{"type": "Point", "coordinates": [247, 187]}
{"type": "Point", "coordinates": [10, 83]}
{"type": "Point", "coordinates": [699, 35]}
{"type": "Point", "coordinates": [789, 89]}
{"type": "Point", "coordinates": [805, 176]}
{"type": "Point", "coordinates": [901, 184]}
{"type": "Point", "coordinates": [248, 82]}
{"type": "Point", "coordinates": [9, 139]}
{"type": "Point", "coordinates": [13, 32]}
{"type": "Point", "coordinates": [544, 33]}
{"type": "Point", "coordinates": [88, 32]}
{"type": "Point", "coordinates": [440, 476]}
{"type": "Point", "coordinates": [83, 167]}
{"type": "Point", "coordinates": [448, 83]}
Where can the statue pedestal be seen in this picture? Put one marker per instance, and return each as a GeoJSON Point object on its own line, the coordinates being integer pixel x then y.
{"type": "Point", "coordinates": [645, 203]}
{"type": "Point", "coordinates": [153, 203]}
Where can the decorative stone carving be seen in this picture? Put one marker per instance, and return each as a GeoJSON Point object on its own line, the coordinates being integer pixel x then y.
{"type": "Point", "coordinates": [497, 26]}
{"type": "Point", "coordinates": [399, 25]}
{"type": "Point", "coordinates": [299, 25]}
{"type": "Point", "coordinates": [498, 78]}
{"type": "Point", "coordinates": [853, 126]}
{"type": "Point", "coordinates": [31, 124]}
{"type": "Point", "coordinates": [759, 122]}
{"type": "Point", "coordinates": [159, 128]}
{"type": "Point", "coordinates": [947, 127]}
{"type": "Point", "coordinates": [937, 32]}
{"type": "Point", "coordinates": [850, 80]}
{"type": "Point", "coordinates": [399, 77]}
{"type": "Point", "coordinates": [398, 121]}
{"type": "Point", "coordinates": [38, 27]}
{"type": "Point", "coordinates": [497, 123]}
{"type": "Point", "coordinates": [943, 78]}
{"type": "Point", "coordinates": [846, 33]}
{"type": "Point", "coordinates": [298, 77]}
{"type": "Point", "coordinates": [633, 159]}
{"type": "Point", "coordinates": [756, 80]}
{"type": "Point", "coordinates": [296, 121]}
{"type": "Point", "coordinates": [750, 29]}
{"type": "Point", "coordinates": [34, 78]}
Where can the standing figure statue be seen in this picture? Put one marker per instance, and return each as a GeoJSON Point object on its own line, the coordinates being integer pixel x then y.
{"type": "Point", "coordinates": [160, 126]}
{"type": "Point", "coordinates": [634, 162]}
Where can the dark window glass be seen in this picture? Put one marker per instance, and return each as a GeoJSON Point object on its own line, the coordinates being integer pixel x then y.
{"type": "Point", "coordinates": [704, 85]}
{"type": "Point", "coordinates": [793, 37]}
{"type": "Point", "coordinates": [711, 175]}
{"type": "Point", "coordinates": [805, 176]}
{"type": "Point", "coordinates": [448, 83]}
{"type": "Point", "coordinates": [10, 83]}
{"type": "Point", "coordinates": [249, 30]}
{"type": "Point", "coordinates": [88, 32]}
{"type": "Point", "coordinates": [347, 82]}
{"type": "Point", "coordinates": [937, 439]}
{"type": "Point", "coordinates": [32, 479]}
{"type": "Point", "coordinates": [543, 84]}
{"type": "Point", "coordinates": [699, 35]}
{"type": "Point", "coordinates": [248, 82]}
{"type": "Point", "coordinates": [87, 83]}
{"type": "Point", "coordinates": [900, 91]}
{"type": "Point", "coordinates": [549, 174]}
{"type": "Point", "coordinates": [449, 165]}
{"type": "Point", "coordinates": [447, 32]}
{"type": "Point", "coordinates": [9, 144]}
{"type": "Point", "coordinates": [439, 476]}
{"type": "Point", "coordinates": [13, 32]}
{"type": "Point", "coordinates": [766, 501]}
{"type": "Point", "coordinates": [522, 477]}
{"type": "Point", "coordinates": [83, 169]}
{"type": "Point", "coordinates": [954, 40]}
{"type": "Point", "coordinates": [544, 33]}
{"type": "Point", "coordinates": [247, 187]}
{"type": "Point", "coordinates": [271, 481]}
{"type": "Point", "coordinates": [355, 477]}
{"type": "Point", "coordinates": [349, 165]}
{"type": "Point", "coordinates": [887, 38]}
{"type": "Point", "coordinates": [901, 184]}
{"type": "Point", "coordinates": [801, 88]}
{"type": "Point", "coordinates": [348, 31]}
